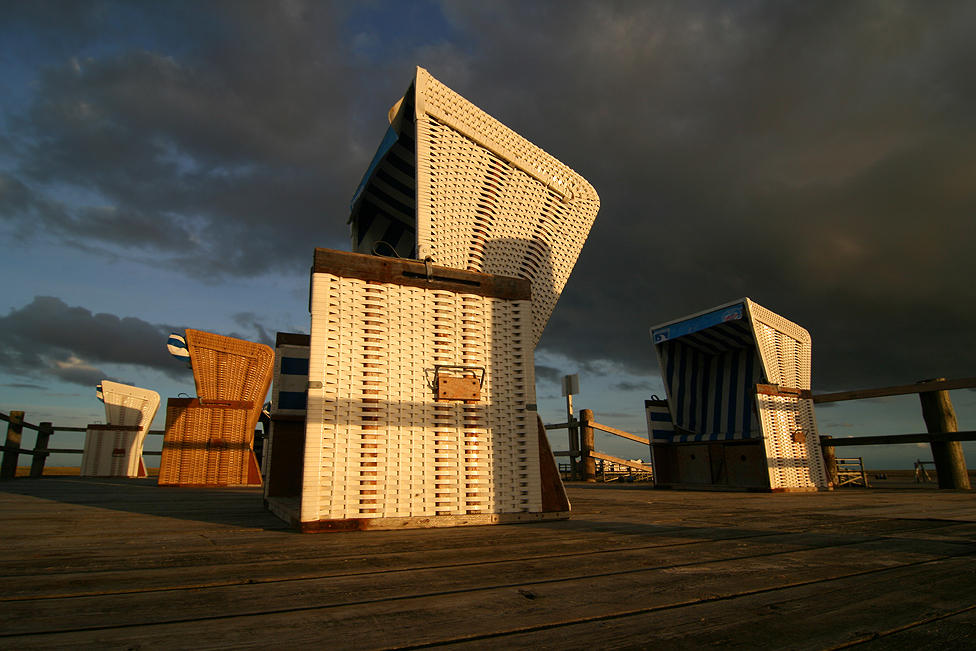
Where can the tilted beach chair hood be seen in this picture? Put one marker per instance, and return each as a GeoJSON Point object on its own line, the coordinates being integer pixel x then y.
{"type": "Point", "coordinates": [451, 184]}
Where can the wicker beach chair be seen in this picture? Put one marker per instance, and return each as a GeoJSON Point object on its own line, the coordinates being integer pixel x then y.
{"type": "Point", "coordinates": [714, 429]}
{"type": "Point", "coordinates": [452, 184]}
{"type": "Point", "coordinates": [115, 449]}
{"type": "Point", "coordinates": [421, 390]}
{"type": "Point", "coordinates": [209, 440]}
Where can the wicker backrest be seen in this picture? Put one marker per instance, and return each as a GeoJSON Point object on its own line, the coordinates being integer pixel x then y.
{"type": "Point", "coordinates": [128, 405]}
{"type": "Point", "coordinates": [225, 368]}
{"type": "Point", "coordinates": [453, 184]}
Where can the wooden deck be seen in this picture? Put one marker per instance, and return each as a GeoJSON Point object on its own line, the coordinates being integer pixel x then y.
{"type": "Point", "coordinates": [124, 564]}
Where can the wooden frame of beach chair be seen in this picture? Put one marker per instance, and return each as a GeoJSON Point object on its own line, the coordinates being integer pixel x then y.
{"type": "Point", "coordinates": [720, 432]}
{"type": "Point", "coordinates": [232, 378]}
{"type": "Point", "coordinates": [115, 449]}
{"type": "Point", "coordinates": [453, 185]}
{"type": "Point", "coordinates": [286, 445]}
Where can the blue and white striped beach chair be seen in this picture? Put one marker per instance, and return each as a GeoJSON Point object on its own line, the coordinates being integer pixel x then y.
{"type": "Point", "coordinates": [711, 363]}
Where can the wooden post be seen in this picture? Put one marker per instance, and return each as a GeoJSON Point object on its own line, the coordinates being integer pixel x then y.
{"type": "Point", "coordinates": [950, 464]}
{"type": "Point", "coordinates": [587, 445]}
{"type": "Point", "coordinates": [44, 431]}
{"type": "Point", "coordinates": [830, 460]}
{"type": "Point", "coordinates": [574, 447]}
{"type": "Point", "coordinates": [11, 453]}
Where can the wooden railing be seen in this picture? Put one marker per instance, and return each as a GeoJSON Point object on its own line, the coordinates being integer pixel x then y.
{"type": "Point", "coordinates": [12, 448]}
{"type": "Point", "coordinates": [943, 433]}
{"type": "Point", "coordinates": [585, 450]}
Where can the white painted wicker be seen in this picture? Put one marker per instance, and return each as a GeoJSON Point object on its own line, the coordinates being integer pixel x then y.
{"type": "Point", "coordinates": [379, 443]}
{"type": "Point", "coordinates": [387, 449]}
{"type": "Point", "coordinates": [118, 452]}
{"type": "Point", "coordinates": [455, 185]}
{"type": "Point", "coordinates": [711, 363]}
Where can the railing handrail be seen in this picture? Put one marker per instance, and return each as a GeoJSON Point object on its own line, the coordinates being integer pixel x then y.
{"type": "Point", "coordinates": [861, 394]}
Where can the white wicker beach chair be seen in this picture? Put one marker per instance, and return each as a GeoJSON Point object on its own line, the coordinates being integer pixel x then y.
{"type": "Point", "coordinates": [452, 184]}
{"type": "Point", "coordinates": [421, 391]}
{"type": "Point", "coordinates": [115, 449]}
{"type": "Point", "coordinates": [720, 432]}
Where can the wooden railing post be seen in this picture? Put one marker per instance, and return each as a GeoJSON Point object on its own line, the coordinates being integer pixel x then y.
{"type": "Point", "coordinates": [950, 464]}
{"type": "Point", "coordinates": [574, 449]}
{"type": "Point", "coordinates": [587, 445]}
{"type": "Point", "coordinates": [44, 431]}
{"type": "Point", "coordinates": [11, 452]}
{"type": "Point", "coordinates": [830, 460]}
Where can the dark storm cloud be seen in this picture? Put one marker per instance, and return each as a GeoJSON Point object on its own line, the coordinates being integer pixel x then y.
{"type": "Point", "coordinates": [221, 160]}
{"type": "Point", "coordinates": [816, 157]}
{"type": "Point", "coordinates": [49, 339]}
{"type": "Point", "coordinates": [549, 374]}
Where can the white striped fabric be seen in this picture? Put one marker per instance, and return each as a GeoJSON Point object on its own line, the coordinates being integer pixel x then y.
{"type": "Point", "coordinates": [176, 344]}
{"type": "Point", "coordinates": [659, 424]}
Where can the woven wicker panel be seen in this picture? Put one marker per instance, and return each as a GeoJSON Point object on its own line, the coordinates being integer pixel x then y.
{"type": "Point", "coordinates": [488, 200]}
{"type": "Point", "coordinates": [225, 368]}
{"type": "Point", "coordinates": [789, 425]}
{"type": "Point", "coordinates": [112, 452]}
{"type": "Point", "coordinates": [378, 444]}
{"type": "Point", "coordinates": [128, 405]}
{"type": "Point", "coordinates": [207, 445]}
{"type": "Point", "coordinates": [474, 195]}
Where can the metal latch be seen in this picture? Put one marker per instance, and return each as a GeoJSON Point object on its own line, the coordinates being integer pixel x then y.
{"type": "Point", "coordinates": [458, 382]}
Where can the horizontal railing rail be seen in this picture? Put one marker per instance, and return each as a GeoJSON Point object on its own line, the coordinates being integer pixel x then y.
{"type": "Point", "coordinates": [12, 448]}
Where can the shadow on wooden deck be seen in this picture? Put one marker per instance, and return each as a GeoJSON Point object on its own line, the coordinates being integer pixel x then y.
{"type": "Point", "coordinates": [124, 564]}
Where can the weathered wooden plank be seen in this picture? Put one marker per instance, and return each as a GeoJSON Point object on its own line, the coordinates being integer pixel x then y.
{"type": "Point", "coordinates": [874, 613]}
{"type": "Point", "coordinates": [118, 564]}
{"type": "Point", "coordinates": [860, 394]}
{"type": "Point", "coordinates": [900, 439]}
{"type": "Point", "coordinates": [338, 608]}
{"type": "Point", "coordinates": [415, 273]}
{"type": "Point", "coordinates": [618, 460]}
{"type": "Point", "coordinates": [907, 389]}
{"type": "Point", "coordinates": [616, 432]}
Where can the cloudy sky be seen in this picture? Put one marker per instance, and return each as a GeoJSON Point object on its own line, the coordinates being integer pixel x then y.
{"type": "Point", "coordinates": [169, 165]}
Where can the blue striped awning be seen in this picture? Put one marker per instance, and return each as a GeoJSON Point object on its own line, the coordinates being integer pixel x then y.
{"type": "Point", "coordinates": [176, 344]}
{"type": "Point", "coordinates": [384, 207]}
{"type": "Point", "coordinates": [710, 365]}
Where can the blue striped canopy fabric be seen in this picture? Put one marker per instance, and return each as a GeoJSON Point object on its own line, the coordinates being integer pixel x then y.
{"type": "Point", "coordinates": [176, 344]}
{"type": "Point", "coordinates": [289, 390]}
{"type": "Point", "coordinates": [292, 380]}
{"type": "Point", "coordinates": [710, 374]}
{"type": "Point", "coordinates": [384, 208]}
{"type": "Point", "coordinates": [98, 393]}
{"type": "Point", "coordinates": [659, 424]}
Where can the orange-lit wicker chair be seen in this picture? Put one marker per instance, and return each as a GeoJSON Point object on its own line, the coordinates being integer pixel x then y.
{"type": "Point", "coordinates": [209, 440]}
